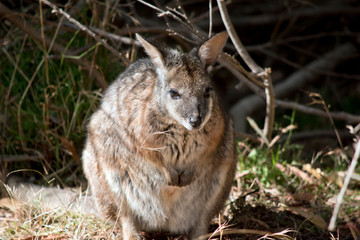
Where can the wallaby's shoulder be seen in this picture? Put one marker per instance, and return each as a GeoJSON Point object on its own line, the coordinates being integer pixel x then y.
{"type": "Point", "coordinates": [137, 80]}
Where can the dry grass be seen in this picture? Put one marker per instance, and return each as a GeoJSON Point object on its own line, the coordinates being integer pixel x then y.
{"type": "Point", "coordinates": [34, 222]}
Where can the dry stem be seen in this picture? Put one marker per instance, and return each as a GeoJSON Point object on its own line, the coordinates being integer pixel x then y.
{"type": "Point", "coordinates": [258, 71]}
{"type": "Point", "coordinates": [344, 187]}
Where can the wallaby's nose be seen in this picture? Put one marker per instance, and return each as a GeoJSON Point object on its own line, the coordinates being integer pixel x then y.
{"type": "Point", "coordinates": [195, 121]}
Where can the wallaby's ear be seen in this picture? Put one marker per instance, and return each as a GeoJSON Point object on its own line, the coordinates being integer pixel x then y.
{"type": "Point", "coordinates": [209, 51]}
{"type": "Point", "coordinates": [152, 51]}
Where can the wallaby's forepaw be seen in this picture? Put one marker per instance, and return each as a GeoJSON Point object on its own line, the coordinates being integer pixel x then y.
{"type": "Point", "coordinates": [180, 178]}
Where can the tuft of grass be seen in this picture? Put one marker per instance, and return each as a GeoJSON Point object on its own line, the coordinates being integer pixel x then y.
{"type": "Point", "coordinates": [276, 187]}
{"type": "Point", "coordinates": [46, 117]}
{"type": "Point", "coordinates": [35, 222]}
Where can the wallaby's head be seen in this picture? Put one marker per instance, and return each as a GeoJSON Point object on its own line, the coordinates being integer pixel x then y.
{"type": "Point", "coordinates": [184, 89]}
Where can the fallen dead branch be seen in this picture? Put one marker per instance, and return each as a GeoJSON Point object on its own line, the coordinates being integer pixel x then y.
{"type": "Point", "coordinates": [294, 82]}
{"type": "Point", "coordinates": [350, 118]}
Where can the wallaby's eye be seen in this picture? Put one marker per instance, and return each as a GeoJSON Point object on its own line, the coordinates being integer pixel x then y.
{"type": "Point", "coordinates": [174, 94]}
{"type": "Point", "coordinates": [207, 92]}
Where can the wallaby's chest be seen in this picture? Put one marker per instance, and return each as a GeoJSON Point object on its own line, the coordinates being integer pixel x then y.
{"type": "Point", "coordinates": [183, 149]}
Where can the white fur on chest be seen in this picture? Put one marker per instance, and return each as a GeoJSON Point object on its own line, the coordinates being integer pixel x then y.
{"type": "Point", "coordinates": [166, 207]}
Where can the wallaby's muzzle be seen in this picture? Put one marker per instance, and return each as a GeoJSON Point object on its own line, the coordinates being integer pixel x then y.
{"type": "Point", "coordinates": [195, 122]}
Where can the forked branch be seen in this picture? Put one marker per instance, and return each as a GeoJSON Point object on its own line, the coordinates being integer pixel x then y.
{"type": "Point", "coordinates": [256, 69]}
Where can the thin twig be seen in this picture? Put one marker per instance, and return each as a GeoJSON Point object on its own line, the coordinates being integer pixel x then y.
{"type": "Point", "coordinates": [238, 66]}
{"type": "Point", "coordinates": [19, 158]}
{"type": "Point", "coordinates": [210, 18]}
{"type": "Point", "coordinates": [207, 14]}
{"type": "Point", "coordinates": [187, 25]}
{"type": "Point", "coordinates": [235, 39]}
{"type": "Point", "coordinates": [270, 106]}
{"type": "Point", "coordinates": [264, 19]}
{"type": "Point", "coordinates": [256, 69]}
{"type": "Point", "coordinates": [125, 40]}
{"type": "Point", "coordinates": [318, 133]}
{"type": "Point", "coordinates": [344, 187]}
{"type": "Point", "coordinates": [315, 97]}
{"type": "Point", "coordinates": [186, 17]}
{"type": "Point", "coordinates": [233, 66]}
{"type": "Point", "coordinates": [87, 30]}
{"type": "Point", "coordinates": [350, 118]}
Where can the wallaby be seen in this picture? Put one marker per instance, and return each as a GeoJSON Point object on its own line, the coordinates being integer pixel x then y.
{"type": "Point", "coordinates": [160, 152]}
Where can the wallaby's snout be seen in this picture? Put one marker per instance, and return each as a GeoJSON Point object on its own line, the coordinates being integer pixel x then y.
{"type": "Point", "coordinates": [199, 114]}
{"type": "Point", "coordinates": [195, 121]}
{"type": "Point", "coordinates": [192, 110]}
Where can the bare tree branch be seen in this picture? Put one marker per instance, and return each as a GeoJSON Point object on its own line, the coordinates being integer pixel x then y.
{"type": "Point", "coordinates": [350, 118]}
{"type": "Point", "coordinates": [235, 39]}
{"type": "Point", "coordinates": [87, 30]}
{"type": "Point", "coordinates": [256, 69]}
{"type": "Point", "coordinates": [294, 82]}
{"type": "Point", "coordinates": [270, 106]}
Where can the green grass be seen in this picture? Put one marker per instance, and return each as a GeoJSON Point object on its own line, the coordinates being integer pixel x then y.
{"type": "Point", "coordinates": [41, 115]}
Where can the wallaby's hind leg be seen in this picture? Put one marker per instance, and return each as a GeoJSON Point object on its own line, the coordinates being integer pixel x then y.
{"type": "Point", "coordinates": [129, 230]}
{"type": "Point", "coordinates": [218, 193]}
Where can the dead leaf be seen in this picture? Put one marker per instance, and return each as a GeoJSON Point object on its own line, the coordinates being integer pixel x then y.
{"type": "Point", "coordinates": [300, 174]}
{"type": "Point", "coordinates": [315, 172]}
{"type": "Point", "coordinates": [310, 215]}
{"type": "Point", "coordinates": [288, 170]}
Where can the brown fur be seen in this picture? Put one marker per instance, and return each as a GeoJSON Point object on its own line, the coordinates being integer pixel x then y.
{"type": "Point", "coordinates": [160, 152]}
